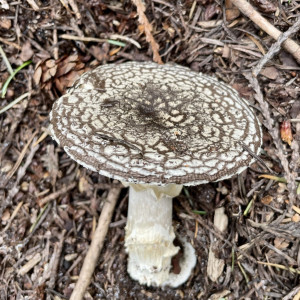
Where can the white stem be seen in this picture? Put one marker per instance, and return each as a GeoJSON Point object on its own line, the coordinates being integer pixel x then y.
{"type": "Point", "coordinates": [150, 235]}
{"type": "Point", "coordinates": [149, 232]}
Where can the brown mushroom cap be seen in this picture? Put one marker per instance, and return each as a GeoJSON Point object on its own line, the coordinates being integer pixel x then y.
{"type": "Point", "coordinates": [148, 123]}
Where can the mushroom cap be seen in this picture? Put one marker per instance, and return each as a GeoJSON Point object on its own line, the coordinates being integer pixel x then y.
{"type": "Point", "coordinates": [158, 124]}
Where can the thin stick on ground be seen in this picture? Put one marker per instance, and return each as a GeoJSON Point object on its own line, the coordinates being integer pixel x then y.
{"type": "Point", "coordinates": [91, 258]}
{"type": "Point", "coordinates": [56, 258]}
{"type": "Point", "coordinates": [147, 28]}
{"type": "Point", "coordinates": [274, 132]}
{"type": "Point", "coordinates": [247, 9]}
{"type": "Point", "coordinates": [57, 194]}
{"type": "Point", "coordinates": [6, 61]}
{"type": "Point", "coordinates": [275, 48]}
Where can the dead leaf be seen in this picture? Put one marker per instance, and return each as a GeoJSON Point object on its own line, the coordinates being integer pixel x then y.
{"type": "Point", "coordinates": [78, 214]}
{"type": "Point", "coordinates": [50, 63]}
{"type": "Point", "coordinates": [141, 28]}
{"type": "Point", "coordinates": [211, 11]}
{"type": "Point", "coordinates": [296, 218]}
{"type": "Point", "coordinates": [67, 81]}
{"type": "Point", "coordinates": [49, 74]}
{"type": "Point", "coordinates": [243, 90]}
{"type": "Point", "coordinates": [232, 12]}
{"type": "Point", "coordinates": [5, 216]}
{"type": "Point", "coordinates": [270, 72]}
{"type": "Point", "coordinates": [26, 52]}
{"type": "Point", "coordinates": [267, 200]}
{"type": "Point", "coordinates": [286, 132]}
{"type": "Point", "coordinates": [53, 70]}
{"type": "Point", "coordinates": [114, 51]}
{"type": "Point", "coordinates": [37, 75]}
{"type": "Point", "coordinates": [62, 72]}
{"type": "Point", "coordinates": [280, 243]}
{"type": "Point", "coordinates": [226, 51]}
{"type": "Point", "coordinates": [265, 6]}
{"type": "Point", "coordinates": [83, 185]}
{"type": "Point", "coordinates": [99, 53]}
{"type": "Point", "coordinates": [66, 68]}
{"type": "Point", "coordinates": [5, 23]}
{"type": "Point", "coordinates": [169, 29]}
{"type": "Point", "coordinates": [219, 295]}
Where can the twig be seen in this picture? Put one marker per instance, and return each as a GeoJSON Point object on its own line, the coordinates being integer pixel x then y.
{"type": "Point", "coordinates": [147, 28]}
{"type": "Point", "coordinates": [91, 258]}
{"type": "Point", "coordinates": [12, 216]}
{"type": "Point", "coordinates": [274, 132]}
{"type": "Point", "coordinates": [75, 9]}
{"type": "Point", "coordinates": [295, 146]}
{"type": "Point", "coordinates": [245, 147]}
{"type": "Point", "coordinates": [33, 5]}
{"type": "Point", "coordinates": [91, 39]}
{"type": "Point", "coordinates": [275, 48]}
{"type": "Point", "coordinates": [20, 158]}
{"type": "Point", "coordinates": [55, 43]}
{"type": "Point", "coordinates": [215, 265]}
{"type": "Point", "coordinates": [12, 103]}
{"type": "Point", "coordinates": [56, 254]}
{"type": "Point", "coordinates": [34, 225]}
{"type": "Point", "coordinates": [4, 41]}
{"type": "Point", "coordinates": [243, 272]}
{"type": "Point", "coordinates": [76, 262]}
{"type": "Point", "coordinates": [247, 9]}
{"type": "Point", "coordinates": [43, 136]}
{"type": "Point", "coordinates": [55, 195]}
{"type": "Point", "coordinates": [294, 292]}
{"type": "Point", "coordinates": [292, 270]}
{"type": "Point", "coordinates": [126, 39]}
{"type": "Point", "coordinates": [21, 172]}
{"type": "Point", "coordinates": [30, 264]}
{"type": "Point", "coordinates": [4, 57]}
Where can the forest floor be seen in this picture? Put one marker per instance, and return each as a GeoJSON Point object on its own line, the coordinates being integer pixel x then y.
{"type": "Point", "coordinates": [49, 205]}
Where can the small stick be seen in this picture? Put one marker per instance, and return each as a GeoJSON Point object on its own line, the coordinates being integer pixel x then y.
{"type": "Point", "coordinates": [10, 43]}
{"type": "Point", "coordinates": [30, 264]}
{"type": "Point", "coordinates": [12, 103]}
{"type": "Point", "coordinates": [275, 48]}
{"type": "Point", "coordinates": [57, 194]}
{"type": "Point", "coordinates": [74, 6]}
{"type": "Point", "coordinates": [55, 42]}
{"type": "Point", "coordinates": [81, 38]}
{"type": "Point", "coordinates": [248, 10]}
{"type": "Point", "coordinates": [147, 29]}
{"type": "Point", "coordinates": [57, 253]}
{"type": "Point", "coordinates": [20, 158]}
{"type": "Point", "coordinates": [12, 216]}
{"type": "Point", "coordinates": [91, 258]}
{"type": "Point", "coordinates": [274, 132]}
{"type": "Point", "coordinates": [6, 61]}
{"type": "Point", "coordinates": [33, 5]}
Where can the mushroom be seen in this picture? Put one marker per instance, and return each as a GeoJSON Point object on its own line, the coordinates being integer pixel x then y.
{"type": "Point", "coordinates": [155, 128]}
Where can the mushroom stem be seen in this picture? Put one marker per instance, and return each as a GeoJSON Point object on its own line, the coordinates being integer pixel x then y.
{"type": "Point", "coordinates": [150, 234]}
